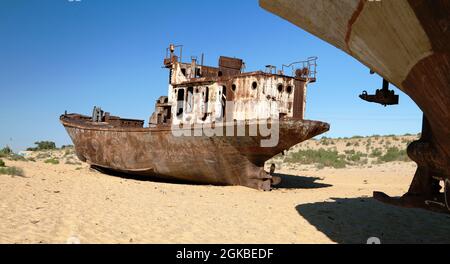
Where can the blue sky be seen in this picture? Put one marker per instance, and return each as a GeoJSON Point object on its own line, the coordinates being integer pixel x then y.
{"type": "Point", "coordinates": [58, 55]}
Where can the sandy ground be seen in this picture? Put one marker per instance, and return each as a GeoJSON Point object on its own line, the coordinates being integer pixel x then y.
{"type": "Point", "coordinates": [57, 203]}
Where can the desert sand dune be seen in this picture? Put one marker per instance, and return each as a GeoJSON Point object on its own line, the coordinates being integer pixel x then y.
{"type": "Point", "coordinates": [72, 203]}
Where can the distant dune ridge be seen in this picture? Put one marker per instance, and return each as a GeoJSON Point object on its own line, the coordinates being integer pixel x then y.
{"type": "Point", "coordinates": [324, 197]}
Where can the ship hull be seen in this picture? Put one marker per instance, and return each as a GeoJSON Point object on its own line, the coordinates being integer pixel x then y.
{"type": "Point", "coordinates": [159, 152]}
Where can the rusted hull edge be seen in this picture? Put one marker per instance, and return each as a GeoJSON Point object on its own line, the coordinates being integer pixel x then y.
{"type": "Point", "coordinates": [219, 160]}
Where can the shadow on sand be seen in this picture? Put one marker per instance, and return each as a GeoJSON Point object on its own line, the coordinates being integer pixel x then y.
{"type": "Point", "coordinates": [287, 181]}
{"type": "Point", "coordinates": [357, 219]}
{"type": "Point", "coordinates": [299, 182]}
{"type": "Point", "coordinates": [137, 177]}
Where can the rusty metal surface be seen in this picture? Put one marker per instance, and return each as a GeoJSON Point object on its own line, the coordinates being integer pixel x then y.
{"type": "Point", "coordinates": [157, 152]}
{"type": "Point", "coordinates": [223, 98]}
{"type": "Point", "coordinates": [407, 43]}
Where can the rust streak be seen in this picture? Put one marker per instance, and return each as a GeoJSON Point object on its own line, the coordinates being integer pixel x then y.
{"type": "Point", "coordinates": [352, 21]}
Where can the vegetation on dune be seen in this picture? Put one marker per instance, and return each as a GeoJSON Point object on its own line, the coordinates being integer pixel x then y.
{"type": "Point", "coordinates": [66, 146]}
{"type": "Point", "coordinates": [376, 153]}
{"type": "Point", "coordinates": [358, 151]}
{"type": "Point", "coordinates": [394, 154]}
{"type": "Point", "coordinates": [325, 141]}
{"type": "Point", "coordinates": [5, 152]}
{"type": "Point", "coordinates": [43, 156]}
{"type": "Point", "coordinates": [16, 157]}
{"type": "Point", "coordinates": [13, 171]}
{"type": "Point", "coordinates": [321, 157]}
{"type": "Point", "coordinates": [43, 145]}
{"type": "Point", "coordinates": [53, 161]}
{"type": "Point", "coordinates": [355, 157]}
{"type": "Point", "coordinates": [9, 154]}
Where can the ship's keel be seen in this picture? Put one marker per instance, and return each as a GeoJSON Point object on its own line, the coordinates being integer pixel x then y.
{"type": "Point", "coordinates": [425, 191]}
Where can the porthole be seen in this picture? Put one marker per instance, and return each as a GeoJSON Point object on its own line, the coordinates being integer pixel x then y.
{"type": "Point", "coordinates": [233, 87]}
{"type": "Point", "coordinates": [254, 85]}
{"type": "Point", "coordinates": [289, 89]}
{"type": "Point", "coordinates": [280, 88]}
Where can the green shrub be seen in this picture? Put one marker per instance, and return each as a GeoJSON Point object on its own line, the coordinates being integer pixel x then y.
{"type": "Point", "coordinates": [2, 163]}
{"type": "Point", "coordinates": [13, 171]}
{"type": "Point", "coordinates": [6, 151]}
{"type": "Point", "coordinates": [43, 145]}
{"type": "Point", "coordinates": [352, 151]}
{"type": "Point", "coordinates": [356, 156]}
{"type": "Point", "coordinates": [325, 141]}
{"type": "Point", "coordinates": [406, 141]}
{"type": "Point", "coordinates": [16, 157]}
{"type": "Point", "coordinates": [394, 154]}
{"type": "Point", "coordinates": [376, 153]}
{"type": "Point", "coordinates": [52, 161]}
{"type": "Point", "coordinates": [320, 166]}
{"type": "Point", "coordinates": [43, 156]}
{"type": "Point", "coordinates": [323, 157]}
{"type": "Point", "coordinates": [364, 161]}
{"type": "Point", "coordinates": [66, 146]}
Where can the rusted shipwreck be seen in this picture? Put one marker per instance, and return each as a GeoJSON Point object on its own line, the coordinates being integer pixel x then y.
{"type": "Point", "coordinates": [218, 125]}
{"type": "Point", "coordinates": [407, 42]}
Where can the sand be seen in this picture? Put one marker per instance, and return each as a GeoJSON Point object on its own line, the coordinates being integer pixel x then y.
{"type": "Point", "coordinates": [72, 203]}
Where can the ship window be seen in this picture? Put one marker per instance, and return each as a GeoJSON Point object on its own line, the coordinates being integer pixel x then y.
{"type": "Point", "coordinates": [190, 99]}
{"type": "Point", "coordinates": [224, 99]}
{"type": "Point", "coordinates": [254, 85]}
{"type": "Point", "coordinates": [289, 89]}
{"type": "Point", "coordinates": [180, 102]}
{"type": "Point", "coordinates": [233, 87]}
{"type": "Point", "coordinates": [207, 95]}
{"type": "Point", "coordinates": [280, 87]}
{"type": "Point", "coordinates": [206, 102]}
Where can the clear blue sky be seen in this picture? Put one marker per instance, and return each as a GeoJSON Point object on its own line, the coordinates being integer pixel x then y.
{"type": "Point", "coordinates": [57, 55]}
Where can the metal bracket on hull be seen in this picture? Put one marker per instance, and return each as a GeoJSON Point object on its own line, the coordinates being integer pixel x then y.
{"type": "Point", "coordinates": [382, 96]}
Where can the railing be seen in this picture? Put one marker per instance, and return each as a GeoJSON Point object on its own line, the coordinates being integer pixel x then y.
{"type": "Point", "coordinates": [304, 69]}
{"type": "Point", "coordinates": [170, 51]}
